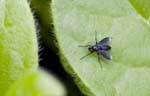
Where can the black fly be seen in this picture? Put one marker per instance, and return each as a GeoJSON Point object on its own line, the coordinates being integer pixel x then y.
{"type": "Point", "coordinates": [101, 48]}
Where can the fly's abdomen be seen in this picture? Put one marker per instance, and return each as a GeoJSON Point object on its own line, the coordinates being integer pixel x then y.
{"type": "Point", "coordinates": [104, 47]}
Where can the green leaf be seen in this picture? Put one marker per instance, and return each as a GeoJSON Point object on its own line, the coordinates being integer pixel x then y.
{"type": "Point", "coordinates": [18, 42]}
{"type": "Point", "coordinates": [37, 84]}
{"type": "Point", "coordinates": [142, 7]}
{"type": "Point", "coordinates": [127, 74]}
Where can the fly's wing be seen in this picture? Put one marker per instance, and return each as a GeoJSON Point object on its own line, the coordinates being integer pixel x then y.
{"type": "Point", "coordinates": [105, 54]}
{"type": "Point", "coordinates": [104, 41]}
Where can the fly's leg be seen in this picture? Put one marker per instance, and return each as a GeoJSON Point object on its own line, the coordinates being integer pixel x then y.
{"type": "Point", "coordinates": [85, 55]}
{"type": "Point", "coordinates": [99, 60]}
{"type": "Point", "coordinates": [84, 46]}
{"type": "Point", "coordinates": [95, 36]}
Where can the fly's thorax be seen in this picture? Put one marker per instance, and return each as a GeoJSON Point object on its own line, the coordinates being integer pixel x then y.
{"type": "Point", "coordinates": [93, 48]}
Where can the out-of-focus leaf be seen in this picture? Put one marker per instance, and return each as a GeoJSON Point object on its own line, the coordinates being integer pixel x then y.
{"type": "Point", "coordinates": [37, 84]}
{"type": "Point", "coordinates": [18, 43]}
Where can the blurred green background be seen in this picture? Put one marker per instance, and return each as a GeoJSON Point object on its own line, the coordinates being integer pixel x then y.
{"type": "Point", "coordinates": [48, 53]}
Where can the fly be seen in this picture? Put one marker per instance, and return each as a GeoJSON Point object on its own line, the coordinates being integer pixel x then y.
{"type": "Point", "coordinates": [101, 48]}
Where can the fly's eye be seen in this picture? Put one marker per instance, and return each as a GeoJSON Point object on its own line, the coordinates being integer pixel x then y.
{"type": "Point", "coordinates": [90, 49]}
